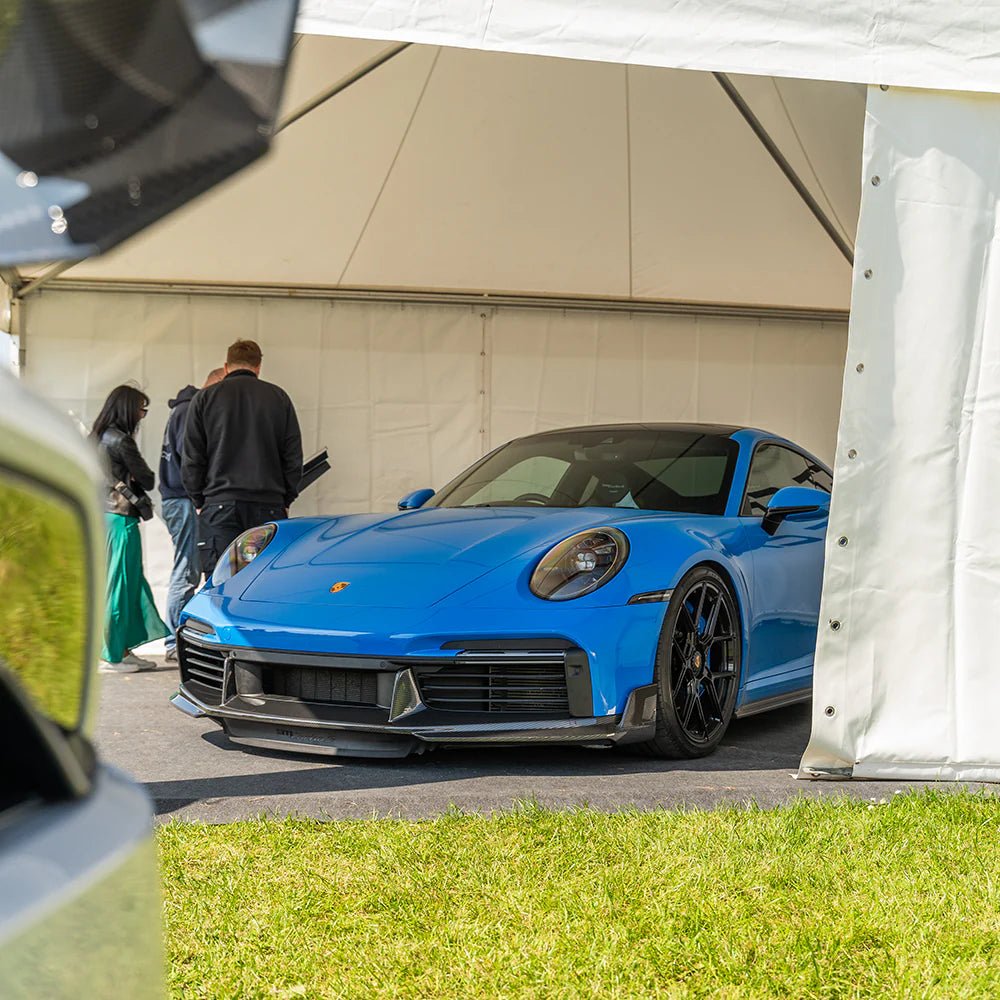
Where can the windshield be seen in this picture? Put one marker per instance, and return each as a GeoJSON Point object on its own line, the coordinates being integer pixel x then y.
{"type": "Point", "coordinates": [687, 471]}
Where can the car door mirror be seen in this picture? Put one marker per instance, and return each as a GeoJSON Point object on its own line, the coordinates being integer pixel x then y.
{"type": "Point", "coordinates": [45, 618]}
{"type": "Point", "coordinates": [791, 501]}
{"type": "Point", "coordinates": [415, 500]}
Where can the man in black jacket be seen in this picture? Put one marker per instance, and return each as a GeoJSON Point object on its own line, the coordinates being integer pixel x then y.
{"type": "Point", "coordinates": [178, 510]}
{"type": "Point", "coordinates": [242, 453]}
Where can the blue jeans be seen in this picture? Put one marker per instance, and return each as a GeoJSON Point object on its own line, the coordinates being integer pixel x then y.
{"type": "Point", "coordinates": [181, 522]}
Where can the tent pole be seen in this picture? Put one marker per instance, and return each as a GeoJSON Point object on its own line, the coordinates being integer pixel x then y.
{"type": "Point", "coordinates": [25, 288]}
{"type": "Point", "coordinates": [28, 287]}
{"type": "Point", "coordinates": [786, 168]}
{"type": "Point", "coordinates": [342, 84]}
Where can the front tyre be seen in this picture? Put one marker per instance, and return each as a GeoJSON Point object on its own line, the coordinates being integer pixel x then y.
{"type": "Point", "coordinates": [697, 670]}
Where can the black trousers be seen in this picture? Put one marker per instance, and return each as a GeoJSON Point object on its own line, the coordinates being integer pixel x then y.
{"type": "Point", "coordinates": [221, 521]}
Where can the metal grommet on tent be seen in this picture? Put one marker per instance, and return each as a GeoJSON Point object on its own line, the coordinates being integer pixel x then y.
{"type": "Point", "coordinates": [852, 453]}
{"type": "Point", "coordinates": [835, 624]}
{"type": "Point", "coordinates": [868, 272]}
{"type": "Point", "coordinates": [860, 367]}
{"type": "Point", "coordinates": [829, 711]}
{"type": "Point", "coordinates": [842, 541]}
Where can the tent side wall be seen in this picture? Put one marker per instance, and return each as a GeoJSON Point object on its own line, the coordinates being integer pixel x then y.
{"type": "Point", "coordinates": [906, 681]}
{"type": "Point", "coordinates": [406, 395]}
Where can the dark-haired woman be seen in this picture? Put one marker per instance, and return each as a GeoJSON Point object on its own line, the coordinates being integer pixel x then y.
{"type": "Point", "coordinates": [130, 616]}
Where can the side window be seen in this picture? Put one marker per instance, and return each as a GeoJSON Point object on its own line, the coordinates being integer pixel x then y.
{"type": "Point", "coordinates": [817, 477]}
{"type": "Point", "coordinates": [538, 476]}
{"type": "Point", "coordinates": [774, 467]}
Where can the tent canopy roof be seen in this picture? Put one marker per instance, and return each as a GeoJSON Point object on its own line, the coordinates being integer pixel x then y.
{"type": "Point", "coordinates": [478, 171]}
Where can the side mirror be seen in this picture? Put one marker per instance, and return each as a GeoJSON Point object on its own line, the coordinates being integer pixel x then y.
{"type": "Point", "coordinates": [414, 500]}
{"type": "Point", "coordinates": [791, 500]}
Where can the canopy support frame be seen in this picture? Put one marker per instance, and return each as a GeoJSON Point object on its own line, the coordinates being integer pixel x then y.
{"type": "Point", "coordinates": [764, 137]}
{"type": "Point", "coordinates": [477, 298]}
{"type": "Point", "coordinates": [359, 73]}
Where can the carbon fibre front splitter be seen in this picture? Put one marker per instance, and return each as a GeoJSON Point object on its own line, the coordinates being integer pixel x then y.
{"type": "Point", "coordinates": [636, 723]}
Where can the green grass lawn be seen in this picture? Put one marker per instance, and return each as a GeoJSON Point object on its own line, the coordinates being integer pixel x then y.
{"type": "Point", "coordinates": [819, 899]}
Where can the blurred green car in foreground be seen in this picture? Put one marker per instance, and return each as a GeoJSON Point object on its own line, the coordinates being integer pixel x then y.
{"type": "Point", "coordinates": [111, 116]}
{"type": "Point", "coordinates": [79, 897]}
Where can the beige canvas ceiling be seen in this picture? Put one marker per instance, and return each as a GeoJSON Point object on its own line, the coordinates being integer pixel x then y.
{"type": "Point", "coordinates": [480, 171]}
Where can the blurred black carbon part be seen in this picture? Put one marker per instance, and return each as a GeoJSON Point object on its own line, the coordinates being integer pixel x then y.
{"type": "Point", "coordinates": [115, 112]}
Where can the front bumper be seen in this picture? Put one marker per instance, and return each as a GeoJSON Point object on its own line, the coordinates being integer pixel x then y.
{"type": "Point", "coordinates": [377, 707]}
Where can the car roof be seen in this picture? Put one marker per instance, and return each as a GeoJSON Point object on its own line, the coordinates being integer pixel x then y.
{"type": "Point", "coordinates": [745, 437]}
{"type": "Point", "coordinates": [720, 430]}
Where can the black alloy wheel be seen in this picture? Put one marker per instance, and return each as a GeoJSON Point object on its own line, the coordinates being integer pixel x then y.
{"type": "Point", "coordinates": [697, 667]}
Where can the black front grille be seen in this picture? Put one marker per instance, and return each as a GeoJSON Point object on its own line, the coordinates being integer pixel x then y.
{"type": "Point", "coordinates": [524, 682]}
{"type": "Point", "coordinates": [327, 685]}
{"type": "Point", "coordinates": [200, 663]}
{"type": "Point", "coordinates": [552, 682]}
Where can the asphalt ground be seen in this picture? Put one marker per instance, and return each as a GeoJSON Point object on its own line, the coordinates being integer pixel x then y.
{"type": "Point", "coordinates": [193, 772]}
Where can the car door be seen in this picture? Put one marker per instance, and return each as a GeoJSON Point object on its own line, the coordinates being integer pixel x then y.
{"type": "Point", "coordinates": [79, 906]}
{"type": "Point", "coordinates": [787, 572]}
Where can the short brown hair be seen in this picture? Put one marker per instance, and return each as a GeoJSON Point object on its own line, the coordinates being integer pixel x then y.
{"type": "Point", "coordinates": [244, 352]}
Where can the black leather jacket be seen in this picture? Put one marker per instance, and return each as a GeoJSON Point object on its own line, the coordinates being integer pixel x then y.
{"type": "Point", "coordinates": [123, 463]}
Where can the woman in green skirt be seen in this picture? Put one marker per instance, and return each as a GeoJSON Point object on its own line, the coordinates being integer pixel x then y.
{"type": "Point", "coordinates": [130, 616]}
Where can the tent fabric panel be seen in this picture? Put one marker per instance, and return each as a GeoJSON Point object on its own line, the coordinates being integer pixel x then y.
{"type": "Point", "coordinates": [553, 369]}
{"type": "Point", "coordinates": [902, 686]}
{"type": "Point", "coordinates": [512, 175]}
{"type": "Point", "coordinates": [859, 41]}
{"type": "Point", "coordinates": [711, 211]}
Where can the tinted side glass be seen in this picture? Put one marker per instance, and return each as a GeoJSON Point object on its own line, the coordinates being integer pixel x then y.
{"type": "Point", "coordinates": [43, 598]}
{"type": "Point", "coordinates": [774, 467]}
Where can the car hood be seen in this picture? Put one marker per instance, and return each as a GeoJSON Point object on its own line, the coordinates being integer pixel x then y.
{"type": "Point", "coordinates": [416, 558]}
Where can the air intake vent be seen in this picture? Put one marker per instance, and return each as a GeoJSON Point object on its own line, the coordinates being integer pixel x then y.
{"type": "Point", "coordinates": [200, 663]}
{"type": "Point", "coordinates": [522, 682]}
{"type": "Point", "coordinates": [326, 685]}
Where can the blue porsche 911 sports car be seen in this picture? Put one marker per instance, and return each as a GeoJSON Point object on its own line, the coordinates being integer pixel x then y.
{"type": "Point", "coordinates": [637, 583]}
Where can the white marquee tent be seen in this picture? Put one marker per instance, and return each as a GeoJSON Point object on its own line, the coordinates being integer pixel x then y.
{"type": "Point", "coordinates": [466, 245]}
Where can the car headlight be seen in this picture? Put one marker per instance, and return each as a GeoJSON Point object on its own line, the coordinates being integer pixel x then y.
{"type": "Point", "coordinates": [580, 564]}
{"type": "Point", "coordinates": [243, 551]}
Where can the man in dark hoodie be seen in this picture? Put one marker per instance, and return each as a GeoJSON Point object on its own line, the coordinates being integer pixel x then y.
{"type": "Point", "coordinates": [178, 510]}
